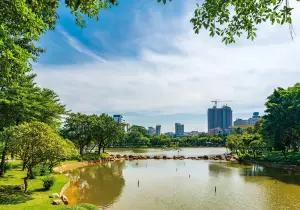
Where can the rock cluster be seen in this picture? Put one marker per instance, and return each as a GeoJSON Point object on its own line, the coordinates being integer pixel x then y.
{"type": "Point", "coordinates": [57, 200]}
{"type": "Point", "coordinates": [223, 157]}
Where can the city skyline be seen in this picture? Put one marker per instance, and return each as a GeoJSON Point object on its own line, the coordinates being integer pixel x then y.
{"type": "Point", "coordinates": [198, 121]}
{"type": "Point", "coordinates": [164, 72]}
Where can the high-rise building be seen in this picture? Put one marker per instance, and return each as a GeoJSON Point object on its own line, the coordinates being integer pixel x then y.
{"type": "Point", "coordinates": [179, 129]}
{"type": "Point", "coordinates": [158, 130]}
{"type": "Point", "coordinates": [118, 118]}
{"type": "Point", "coordinates": [151, 131]}
{"type": "Point", "coordinates": [219, 118]}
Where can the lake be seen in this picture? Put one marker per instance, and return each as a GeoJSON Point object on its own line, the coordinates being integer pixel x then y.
{"type": "Point", "coordinates": [184, 184]}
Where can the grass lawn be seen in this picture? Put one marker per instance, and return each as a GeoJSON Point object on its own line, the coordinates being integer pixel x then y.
{"type": "Point", "coordinates": [36, 199]}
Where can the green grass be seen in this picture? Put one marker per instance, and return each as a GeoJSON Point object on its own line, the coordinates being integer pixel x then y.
{"type": "Point", "coordinates": [36, 199]}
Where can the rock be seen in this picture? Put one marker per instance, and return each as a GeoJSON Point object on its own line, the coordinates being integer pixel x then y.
{"type": "Point", "coordinates": [118, 156]}
{"type": "Point", "coordinates": [164, 157]}
{"type": "Point", "coordinates": [56, 202]}
{"type": "Point", "coordinates": [205, 157]}
{"type": "Point", "coordinates": [54, 195]}
{"type": "Point", "coordinates": [64, 199]}
{"type": "Point", "coordinates": [219, 157]}
{"type": "Point", "coordinates": [157, 157]}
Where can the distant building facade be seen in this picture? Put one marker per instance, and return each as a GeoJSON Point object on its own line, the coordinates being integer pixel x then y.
{"type": "Point", "coordinates": [118, 118]}
{"type": "Point", "coordinates": [251, 121]}
{"type": "Point", "coordinates": [151, 131]}
{"type": "Point", "coordinates": [219, 119]}
{"type": "Point", "coordinates": [179, 129]}
{"type": "Point", "coordinates": [158, 130]}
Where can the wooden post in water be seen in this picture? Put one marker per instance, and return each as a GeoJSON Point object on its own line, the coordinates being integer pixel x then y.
{"type": "Point", "coordinates": [138, 183]}
{"type": "Point", "coordinates": [215, 189]}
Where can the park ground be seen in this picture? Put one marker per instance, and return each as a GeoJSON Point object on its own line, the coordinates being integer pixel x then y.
{"type": "Point", "coordinates": [38, 198]}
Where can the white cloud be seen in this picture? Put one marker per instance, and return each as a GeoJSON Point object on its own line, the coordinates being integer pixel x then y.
{"type": "Point", "coordinates": [183, 80]}
{"type": "Point", "coordinates": [80, 47]}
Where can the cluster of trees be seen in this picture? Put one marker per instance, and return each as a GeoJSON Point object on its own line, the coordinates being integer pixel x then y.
{"type": "Point", "coordinates": [137, 136]}
{"type": "Point", "coordinates": [90, 131]}
{"type": "Point", "coordinates": [31, 116]}
{"type": "Point", "coordinates": [279, 128]}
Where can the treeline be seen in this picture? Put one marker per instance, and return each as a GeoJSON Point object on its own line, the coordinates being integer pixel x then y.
{"type": "Point", "coordinates": [278, 130]}
{"type": "Point", "coordinates": [92, 132]}
{"type": "Point", "coordinates": [137, 136]}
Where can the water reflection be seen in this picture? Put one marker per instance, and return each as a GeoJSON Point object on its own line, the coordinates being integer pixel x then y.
{"type": "Point", "coordinates": [184, 184]}
{"type": "Point", "coordinates": [287, 176]}
{"type": "Point", "coordinates": [219, 169]}
{"type": "Point", "coordinates": [101, 185]}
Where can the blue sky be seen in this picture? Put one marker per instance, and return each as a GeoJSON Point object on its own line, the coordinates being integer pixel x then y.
{"type": "Point", "coordinates": [142, 59]}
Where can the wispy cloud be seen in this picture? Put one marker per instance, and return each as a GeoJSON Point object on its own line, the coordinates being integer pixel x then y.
{"type": "Point", "coordinates": [78, 46]}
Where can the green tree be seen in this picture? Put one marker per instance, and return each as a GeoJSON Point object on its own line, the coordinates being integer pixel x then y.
{"type": "Point", "coordinates": [78, 128]}
{"type": "Point", "coordinates": [22, 101]}
{"type": "Point", "coordinates": [37, 143]}
{"type": "Point", "coordinates": [281, 126]}
{"type": "Point", "coordinates": [246, 145]}
{"type": "Point", "coordinates": [230, 19]}
{"type": "Point", "coordinates": [106, 131]}
{"type": "Point", "coordinates": [139, 129]}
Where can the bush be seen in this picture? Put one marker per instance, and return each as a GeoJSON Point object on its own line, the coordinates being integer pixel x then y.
{"type": "Point", "coordinates": [48, 182]}
{"type": "Point", "coordinates": [90, 157]}
{"type": "Point", "coordinates": [83, 206]}
{"type": "Point", "coordinates": [104, 155]}
{"type": "Point", "coordinates": [41, 170]}
{"type": "Point", "coordinates": [10, 166]}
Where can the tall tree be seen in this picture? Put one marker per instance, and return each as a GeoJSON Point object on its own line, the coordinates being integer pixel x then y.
{"type": "Point", "coordinates": [77, 128]}
{"type": "Point", "coordinates": [25, 102]}
{"type": "Point", "coordinates": [106, 131]}
{"type": "Point", "coordinates": [281, 125]}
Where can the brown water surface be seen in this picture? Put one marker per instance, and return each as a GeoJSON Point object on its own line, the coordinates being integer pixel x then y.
{"type": "Point", "coordinates": [184, 184]}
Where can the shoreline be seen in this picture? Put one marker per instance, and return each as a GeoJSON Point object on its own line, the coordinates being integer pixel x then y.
{"type": "Point", "coordinates": [267, 164]}
{"type": "Point", "coordinates": [65, 167]}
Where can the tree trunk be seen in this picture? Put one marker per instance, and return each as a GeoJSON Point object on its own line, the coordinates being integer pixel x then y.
{"type": "Point", "coordinates": [103, 149]}
{"type": "Point", "coordinates": [23, 166]}
{"type": "Point", "coordinates": [81, 150]}
{"type": "Point", "coordinates": [2, 164]}
{"type": "Point", "coordinates": [99, 149]}
{"type": "Point", "coordinates": [26, 183]}
{"type": "Point", "coordinates": [30, 173]}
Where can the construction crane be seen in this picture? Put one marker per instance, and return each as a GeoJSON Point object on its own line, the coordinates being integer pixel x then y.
{"type": "Point", "coordinates": [216, 101]}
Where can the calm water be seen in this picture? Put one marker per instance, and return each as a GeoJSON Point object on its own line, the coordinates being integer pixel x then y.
{"type": "Point", "coordinates": [188, 151]}
{"type": "Point", "coordinates": [184, 184]}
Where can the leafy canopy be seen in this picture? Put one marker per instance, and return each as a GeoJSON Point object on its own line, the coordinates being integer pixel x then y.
{"type": "Point", "coordinates": [282, 120]}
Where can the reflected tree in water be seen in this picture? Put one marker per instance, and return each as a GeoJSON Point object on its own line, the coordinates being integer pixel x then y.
{"type": "Point", "coordinates": [100, 185]}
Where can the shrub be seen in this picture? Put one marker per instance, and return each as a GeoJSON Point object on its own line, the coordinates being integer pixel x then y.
{"type": "Point", "coordinates": [104, 155]}
{"type": "Point", "coordinates": [41, 170]}
{"type": "Point", "coordinates": [90, 156]}
{"type": "Point", "coordinates": [48, 182]}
